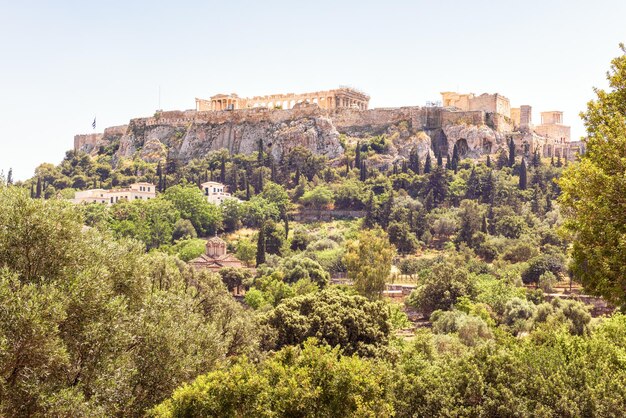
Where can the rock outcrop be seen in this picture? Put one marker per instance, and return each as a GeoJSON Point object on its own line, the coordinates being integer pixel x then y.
{"type": "Point", "coordinates": [191, 134]}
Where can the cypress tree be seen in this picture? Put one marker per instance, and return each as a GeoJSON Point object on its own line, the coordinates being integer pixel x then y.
{"type": "Point", "coordinates": [260, 153]}
{"type": "Point", "coordinates": [537, 201]}
{"type": "Point", "coordinates": [387, 209]}
{"type": "Point", "coordinates": [414, 161]}
{"type": "Point", "coordinates": [488, 161]}
{"type": "Point", "coordinates": [357, 155]}
{"type": "Point", "coordinates": [286, 220]}
{"type": "Point", "coordinates": [246, 185]}
{"type": "Point", "coordinates": [438, 184]}
{"type": "Point", "coordinates": [234, 178]}
{"type": "Point", "coordinates": [483, 226]}
{"type": "Point", "coordinates": [488, 188]}
{"type": "Point", "coordinates": [427, 164]}
{"type": "Point", "coordinates": [272, 168]}
{"type": "Point", "coordinates": [502, 160]}
{"type": "Point", "coordinates": [260, 246]}
{"type": "Point", "coordinates": [522, 176]}
{"type": "Point", "coordinates": [536, 162]}
{"type": "Point", "coordinates": [159, 174]}
{"type": "Point", "coordinates": [223, 170]}
{"type": "Point", "coordinates": [370, 211]}
{"type": "Point", "coordinates": [260, 184]}
{"type": "Point", "coordinates": [38, 189]}
{"type": "Point", "coordinates": [455, 157]}
{"type": "Point", "coordinates": [429, 201]}
{"type": "Point", "coordinates": [297, 176]}
{"type": "Point", "coordinates": [363, 171]}
{"type": "Point", "coordinates": [548, 203]}
{"type": "Point", "coordinates": [491, 225]}
{"type": "Point", "coordinates": [171, 165]}
{"type": "Point", "coordinates": [10, 177]}
{"type": "Point", "coordinates": [473, 185]}
{"type": "Point", "coordinates": [511, 153]}
{"type": "Point", "coordinates": [439, 159]}
{"type": "Point", "coordinates": [32, 190]}
{"type": "Point", "coordinates": [418, 165]}
{"type": "Point", "coordinates": [552, 161]}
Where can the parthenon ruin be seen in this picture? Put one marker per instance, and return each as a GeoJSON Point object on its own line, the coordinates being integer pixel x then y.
{"type": "Point", "coordinates": [343, 97]}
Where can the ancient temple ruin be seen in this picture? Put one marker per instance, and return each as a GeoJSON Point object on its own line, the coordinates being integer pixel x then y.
{"type": "Point", "coordinates": [343, 97]}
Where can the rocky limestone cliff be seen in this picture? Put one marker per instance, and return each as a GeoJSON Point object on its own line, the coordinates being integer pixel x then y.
{"type": "Point", "coordinates": [190, 134]}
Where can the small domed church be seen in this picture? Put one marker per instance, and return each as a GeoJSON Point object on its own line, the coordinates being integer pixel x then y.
{"type": "Point", "coordinates": [215, 256]}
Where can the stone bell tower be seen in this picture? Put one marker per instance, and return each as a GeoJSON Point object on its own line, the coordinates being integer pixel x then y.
{"type": "Point", "coordinates": [215, 247]}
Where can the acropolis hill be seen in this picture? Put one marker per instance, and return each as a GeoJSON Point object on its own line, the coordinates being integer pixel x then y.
{"type": "Point", "coordinates": [321, 121]}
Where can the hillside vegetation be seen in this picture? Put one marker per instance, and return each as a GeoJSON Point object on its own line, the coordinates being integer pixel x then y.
{"type": "Point", "coordinates": [102, 316]}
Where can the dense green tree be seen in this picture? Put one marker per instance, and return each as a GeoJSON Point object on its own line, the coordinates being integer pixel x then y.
{"type": "Point", "coordinates": [246, 251]}
{"type": "Point", "coordinates": [192, 205]}
{"type": "Point", "coordinates": [319, 198]}
{"type": "Point", "coordinates": [328, 384]}
{"type": "Point", "coordinates": [470, 215]}
{"type": "Point", "coordinates": [300, 267]}
{"type": "Point", "coordinates": [368, 260]}
{"type": "Point", "coordinates": [183, 229]}
{"type": "Point", "coordinates": [540, 265]}
{"type": "Point", "coordinates": [334, 317]}
{"type": "Point", "coordinates": [93, 326]}
{"type": "Point", "coordinates": [401, 236]}
{"type": "Point", "coordinates": [440, 287]}
{"type": "Point", "coordinates": [593, 192]}
{"type": "Point", "coordinates": [234, 277]}
{"type": "Point", "coordinates": [30, 229]}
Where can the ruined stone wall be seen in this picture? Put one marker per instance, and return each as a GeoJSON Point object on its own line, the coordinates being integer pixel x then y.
{"type": "Point", "coordinates": [476, 117]}
{"type": "Point", "coordinates": [491, 103]}
{"type": "Point", "coordinates": [515, 117]}
{"type": "Point", "coordinates": [526, 117]}
{"type": "Point", "coordinates": [557, 132]}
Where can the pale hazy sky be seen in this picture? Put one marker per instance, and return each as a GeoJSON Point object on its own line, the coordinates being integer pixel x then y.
{"type": "Point", "coordinates": [62, 62]}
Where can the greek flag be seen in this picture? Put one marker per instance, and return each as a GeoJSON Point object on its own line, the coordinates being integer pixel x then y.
{"type": "Point", "coordinates": [93, 125]}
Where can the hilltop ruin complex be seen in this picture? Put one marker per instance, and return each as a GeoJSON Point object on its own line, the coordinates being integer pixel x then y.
{"type": "Point", "coordinates": [327, 120]}
{"type": "Point", "coordinates": [343, 97]}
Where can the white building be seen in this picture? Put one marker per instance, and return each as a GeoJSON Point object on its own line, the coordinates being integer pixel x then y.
{"type": "Point", "coordinates": [215, 193]}
{"type": "Point", "coordinates": [142, 191]}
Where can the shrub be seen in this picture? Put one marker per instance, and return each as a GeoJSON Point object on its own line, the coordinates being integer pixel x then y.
{"type": "Point", "coordinates": [440, 287]}
{"type": "Point", "coordinates": [183, 229]}
{"type": "Point", "coordinates": [519, 252]}
{"type": "Point", "coordinates": [547, 281]}
{"type": "Point", "coordinates": [541, 264]}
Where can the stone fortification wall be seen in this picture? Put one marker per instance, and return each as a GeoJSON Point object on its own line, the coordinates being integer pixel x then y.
{"type": "Point", "coordinates": [86, 142]}
{"type": "Point", "coordinates": [90, 143]}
